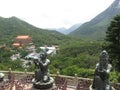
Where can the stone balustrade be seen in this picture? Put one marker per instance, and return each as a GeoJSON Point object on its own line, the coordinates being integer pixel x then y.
{"type": "Point", "coordinates": [61, 81]}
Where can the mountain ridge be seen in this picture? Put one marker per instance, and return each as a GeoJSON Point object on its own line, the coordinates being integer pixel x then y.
{"type": "Point", "coordinates": [67, 31]}
{"type": "Point", "coordinates": [96, 27]}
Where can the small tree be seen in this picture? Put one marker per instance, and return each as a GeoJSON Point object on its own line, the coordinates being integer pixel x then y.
{"type": "Point", "coordinates": [113, 38]}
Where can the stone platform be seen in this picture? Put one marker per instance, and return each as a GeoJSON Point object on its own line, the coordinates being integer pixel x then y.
{"type": "Point", "coordinates": [53, 88]}
{"type": "Point", "coordinates": [42, 85]}
{"type": "Point", "coordinates": [90, 88]}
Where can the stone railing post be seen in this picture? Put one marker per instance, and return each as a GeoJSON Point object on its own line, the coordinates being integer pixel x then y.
{"type": "Point", "coordinates": [58, 73]}
{"type": "Point", "coordinates": [76, 79]}
{"type": "Point", "coordinates": [10, 70]}
{"type": "Point", "coordinates": [25, 72]}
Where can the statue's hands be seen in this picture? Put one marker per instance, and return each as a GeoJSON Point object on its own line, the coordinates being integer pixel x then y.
{"type": "Point", "coordinates": [104, 70]}
{"type": "Point", "coordinates": [40, 62]}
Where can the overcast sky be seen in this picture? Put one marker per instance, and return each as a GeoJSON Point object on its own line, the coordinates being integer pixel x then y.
{"type": "Point", "coordinates": [53, 13]}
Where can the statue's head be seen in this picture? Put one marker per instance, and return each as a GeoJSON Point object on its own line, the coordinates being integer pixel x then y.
{"type": "Point", "coordinates": [43, 55]}
{"type": "Point", "coordinates": [104, 57]}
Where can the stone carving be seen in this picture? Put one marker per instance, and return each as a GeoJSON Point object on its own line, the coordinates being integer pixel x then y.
{"type": "Point", "coordinates": [42, 78]}
{"type": "Point", "coordinates": [101, 75]}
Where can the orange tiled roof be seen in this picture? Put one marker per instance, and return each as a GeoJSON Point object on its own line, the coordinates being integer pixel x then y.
{"type": "Point", "coordinates": [22, 37]}
{"type": "Point", "coordinates": [16, 44]}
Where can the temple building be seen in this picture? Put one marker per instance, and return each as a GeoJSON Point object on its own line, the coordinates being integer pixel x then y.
{"type": "Point", "coordinates": [22, 40]}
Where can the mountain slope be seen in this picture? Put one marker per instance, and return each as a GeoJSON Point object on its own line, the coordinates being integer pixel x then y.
{"type": "Point", "coordinates": [11, 27]}
{"type": "Point", "coordinates": [72, 28]}
{"type": "Point", "coordinates": [97, 26]}
{"type": "Point", "coordinates": [67, 31]}
{"type": "Point", "coordinates": [61, 30]}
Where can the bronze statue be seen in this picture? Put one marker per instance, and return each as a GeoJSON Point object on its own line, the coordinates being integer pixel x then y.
{"type": "Point", "coordinates": [101, 75]}
{"type": "Point", "coordinates": [42, 78]}
{"type": "Point", "coordinates": [41, 72]}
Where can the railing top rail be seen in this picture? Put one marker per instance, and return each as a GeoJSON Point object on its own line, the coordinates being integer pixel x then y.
{"type": "Point", "coordinates": [53, 75]}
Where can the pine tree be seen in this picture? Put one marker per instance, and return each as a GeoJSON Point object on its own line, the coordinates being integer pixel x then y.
{"type": "Point", "coordinates": [113, 38]}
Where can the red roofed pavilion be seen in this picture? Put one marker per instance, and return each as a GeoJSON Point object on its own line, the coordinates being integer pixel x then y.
{"type": "Point", "coordinates": [22, 40]}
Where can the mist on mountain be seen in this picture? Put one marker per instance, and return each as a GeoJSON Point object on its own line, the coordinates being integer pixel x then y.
{"type": "Point", "coordinates": [67, 31]}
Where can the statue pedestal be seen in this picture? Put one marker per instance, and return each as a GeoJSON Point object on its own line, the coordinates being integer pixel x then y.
{"type": "Point", "coordinates": [90, 88]}
{"type": "Point", "coordinates": [43, 86]}
{"type": "Point", "coordinates": [1, 79]}
{"type": "Point", "coordinates": [52, 88]}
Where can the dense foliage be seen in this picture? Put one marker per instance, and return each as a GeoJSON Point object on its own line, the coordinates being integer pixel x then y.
{"type": "Point", "coordinates": [113, 38]}
{"type": "Point", "coordinates": [75, 56]}
{"type": "Point", "coordinates": [6, 62]}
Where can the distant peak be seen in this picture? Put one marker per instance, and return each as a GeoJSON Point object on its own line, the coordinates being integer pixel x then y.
{"type": "Point", "coordinates": [115, 4]}
{"type": "Point", "coordinates": [117, 0]}
{"type": "Point", "coordinates": [119, 3]}
{"type": "Point", "coordinates": [13, 17]}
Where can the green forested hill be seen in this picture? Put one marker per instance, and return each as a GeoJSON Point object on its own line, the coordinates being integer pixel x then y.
{"type": "Point", "coordinates": [11, 27]}
{"type": "Point", "coordinates": [96, 28]}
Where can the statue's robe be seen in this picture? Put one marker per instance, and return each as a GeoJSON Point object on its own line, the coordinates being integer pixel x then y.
{"type": "Point", "coordinates": [101, 78]}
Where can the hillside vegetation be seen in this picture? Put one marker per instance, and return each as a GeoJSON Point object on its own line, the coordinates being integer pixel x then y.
{"type": "Point", "coordinates": [96, 28]}
{"type": "Point", "coordinates": [11, 27]}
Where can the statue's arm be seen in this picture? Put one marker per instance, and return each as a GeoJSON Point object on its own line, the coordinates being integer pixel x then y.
{"type": "Point", "coordinates": [97, 66]}
{"type": "Point", "coordinates": [109, 68]}
{"type": "Point", "coordinates": [46, 63]}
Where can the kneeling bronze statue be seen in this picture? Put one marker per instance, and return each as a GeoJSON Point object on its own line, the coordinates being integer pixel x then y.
{"type": "Point", "coordinates": [42, 78]}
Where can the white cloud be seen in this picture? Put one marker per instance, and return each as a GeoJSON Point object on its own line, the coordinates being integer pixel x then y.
{"type": "Point", "coordinates": [53, 13]}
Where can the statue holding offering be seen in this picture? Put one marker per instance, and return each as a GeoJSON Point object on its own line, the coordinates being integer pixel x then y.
{"type": "Point", "coordinates": [42, 72]}
{"type": "Point", "coordinates": [101, 75]}
{"type": "Point", "coordinates": [42, 78]}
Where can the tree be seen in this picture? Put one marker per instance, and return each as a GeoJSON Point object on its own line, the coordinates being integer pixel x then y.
{"type": "Point", "coordinates": [113, 38]}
